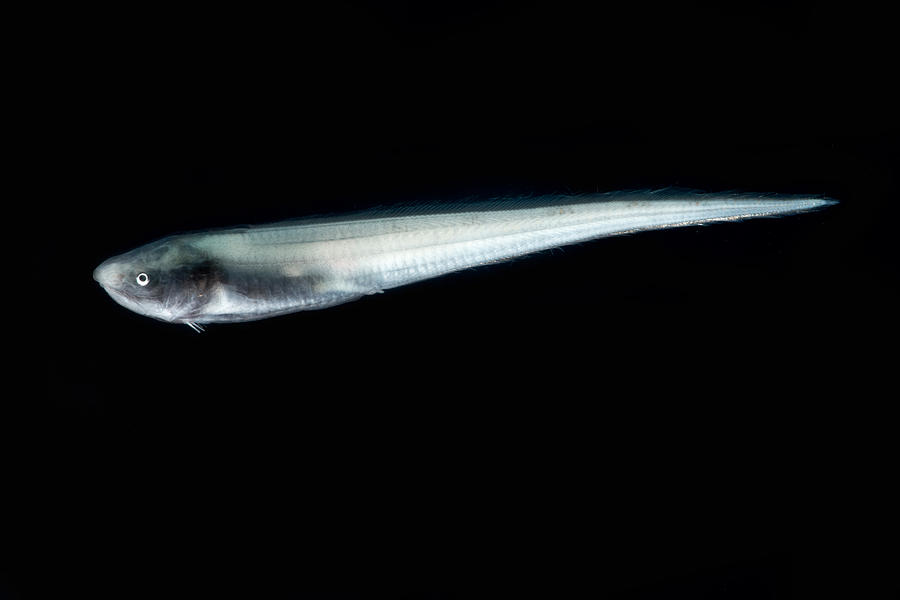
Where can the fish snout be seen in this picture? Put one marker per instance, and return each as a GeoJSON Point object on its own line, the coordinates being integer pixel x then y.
{"type": "Point", "coordinates": [109, 274]}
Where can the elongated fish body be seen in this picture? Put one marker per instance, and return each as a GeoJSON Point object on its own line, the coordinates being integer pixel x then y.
{"type": "Point", "coordinates": [255, 272]}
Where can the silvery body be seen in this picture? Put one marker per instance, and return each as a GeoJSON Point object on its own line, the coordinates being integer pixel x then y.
{"type": "Point", "coordinates": [255, 272]}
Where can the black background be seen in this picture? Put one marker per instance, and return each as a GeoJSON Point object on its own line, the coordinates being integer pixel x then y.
{"type": "Point", "coordinates": [691, 413]}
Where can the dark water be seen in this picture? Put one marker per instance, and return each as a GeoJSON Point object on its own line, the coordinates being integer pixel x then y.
{"type": "Point", "coordinates": [697, 413]}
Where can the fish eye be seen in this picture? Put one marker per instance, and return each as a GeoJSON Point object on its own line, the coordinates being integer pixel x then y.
{"type": "Point", "coordinates": [142, 279]}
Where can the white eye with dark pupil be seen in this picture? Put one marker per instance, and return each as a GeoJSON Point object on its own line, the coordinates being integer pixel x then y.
{"type": "Point", "coordinates": [142, 279]}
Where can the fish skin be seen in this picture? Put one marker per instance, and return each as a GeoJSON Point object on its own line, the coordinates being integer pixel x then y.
{"type": "Point", "coordinates": [250, 273]}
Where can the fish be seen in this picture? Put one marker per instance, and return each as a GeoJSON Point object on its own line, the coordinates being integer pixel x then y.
{"type": "Point", "coordinates": [254, 272]}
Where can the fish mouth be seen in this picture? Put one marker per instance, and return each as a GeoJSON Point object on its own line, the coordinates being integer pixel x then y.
{"type": "Point", "coordinates": [121, 296]}
{"type": "Point", "coordinates": [111, 275]}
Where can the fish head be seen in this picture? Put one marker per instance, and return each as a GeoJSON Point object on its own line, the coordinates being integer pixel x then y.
{"type": "Point", "coordinates": [169, 280]}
